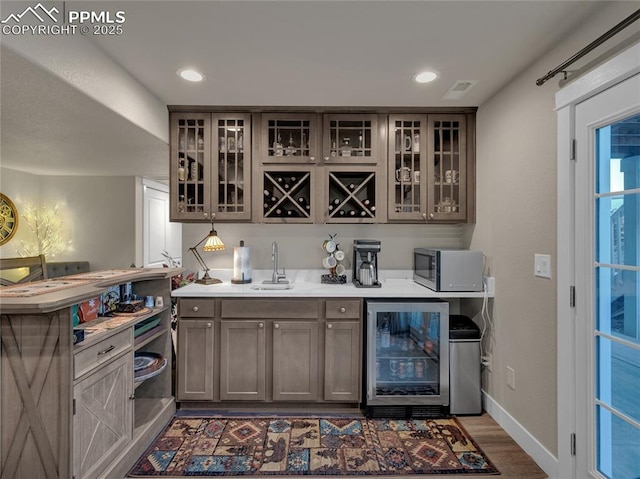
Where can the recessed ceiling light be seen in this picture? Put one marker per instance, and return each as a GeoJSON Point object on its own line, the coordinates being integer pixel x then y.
{"type": "Point", "coordinates": [426, 77]}
{"type": "Point", "coordinates": [190, 74]}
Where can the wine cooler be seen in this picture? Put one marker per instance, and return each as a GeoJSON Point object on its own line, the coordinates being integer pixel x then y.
{"type": "Point", "coordinates": [407, 351]}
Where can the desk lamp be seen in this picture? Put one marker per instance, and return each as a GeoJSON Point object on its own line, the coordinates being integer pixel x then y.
{"type": "Point", "coordinates": [213, 243]}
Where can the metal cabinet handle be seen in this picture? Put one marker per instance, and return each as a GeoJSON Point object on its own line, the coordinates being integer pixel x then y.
{"type": "Point", "coordinates": [109, 349]}
{"type": "Point", "coordinates": [312, 158]}
{"type": "Point", "coordinates": [343, 310]}
{"type": "Point", "coordinates": [195, 309]}
{"type": "Point", "coordinates": [261, 325]}
{"type": "Point", "coordinates": [209, 325]}
{"type": "Point", "coordinates": [326, 158]}
{"type": "Point", "coordinates": [277, 326]}
{"type": "Point", "coordinates": [132, 397]}
{"type": "Point", "coordinates": [424, 216]}
{"type": "Point", "coordinates": [329, 326]}
{"type": "Point", "coordinates": [431, 216]}
{"type": "Point", "coordinates": [206, 215]}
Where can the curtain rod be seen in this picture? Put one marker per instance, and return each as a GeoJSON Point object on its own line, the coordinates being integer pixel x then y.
{"type": "Point", "coordinates": [597, 42]}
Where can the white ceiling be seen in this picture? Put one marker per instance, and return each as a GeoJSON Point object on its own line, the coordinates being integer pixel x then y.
{"type": "Point", "coordinates": [285, 53]}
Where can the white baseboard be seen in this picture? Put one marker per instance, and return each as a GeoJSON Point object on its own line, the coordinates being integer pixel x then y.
{"type": "Point", "coordinates": [540, 454]}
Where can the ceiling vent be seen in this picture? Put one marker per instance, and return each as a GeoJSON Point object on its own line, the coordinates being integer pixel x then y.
{"type": "Point", "coordinates": [459, 89]}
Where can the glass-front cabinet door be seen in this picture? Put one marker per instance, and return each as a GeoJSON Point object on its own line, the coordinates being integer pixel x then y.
{"type": "Point", "coordinates": [210, 166]}
{"type": "Point", "coordinates": [288, 138]}
{"type": "Point", "coordinates": [407, 353]}
{"type": "Point", "coordinates": [447, 167]}
{"type": "Point", "coordinates": [407, 173]}
{"type": "Point", "coordinates": [190, 169]}
{"type": "Point", "coordinates": [349, 139]}
{"type": "Point", "coordinates": [232, 183]}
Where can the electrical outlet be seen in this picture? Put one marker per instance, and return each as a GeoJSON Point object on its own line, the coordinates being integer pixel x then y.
{"type": "Point", "coordinates": [511, 378]}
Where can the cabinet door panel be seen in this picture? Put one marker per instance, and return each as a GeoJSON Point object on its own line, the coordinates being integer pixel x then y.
{"type": "Point", "coordinates": [242, 360]}
{"type": "Point", "coordinates": [231, 171]}
{"type": "Point", "coordinates": [342, 361]}
{"type": "Point", "coordinates": [190, 168]}
{"type": "Point", "coordinates": [103, 423]}
{"type": "Point", "coordinates": [447, 167]}
{"type": "Point", "coordinates": [295, 361]}
{"type": "Point", "coordinates": [195, 365]}
{"type": "Point", "coordinates": [351, 139]}
{"type": "Point", "coordinates": [407, 174]}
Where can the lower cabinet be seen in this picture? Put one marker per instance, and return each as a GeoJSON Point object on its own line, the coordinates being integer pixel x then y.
{"type": "Point", "coordinates": [295, 361]}
{"type": "Point", "coordinates": [342, 364]}
{"type": "Point", "coordinates": [242, 360]}
{"type": "Point", "coordinates": [102, 424]}
{"type": "Point", "coordinates": [195, 363]}
{"type": "Point", "coordinates": [279, 350]}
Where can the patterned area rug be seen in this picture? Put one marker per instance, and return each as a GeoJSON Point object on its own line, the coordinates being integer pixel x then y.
{"type": "Point", "coordinates": [233, 446]}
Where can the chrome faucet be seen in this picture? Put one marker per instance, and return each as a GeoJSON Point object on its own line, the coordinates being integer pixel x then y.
{"type": "Point", "coordinates": [276, 277]}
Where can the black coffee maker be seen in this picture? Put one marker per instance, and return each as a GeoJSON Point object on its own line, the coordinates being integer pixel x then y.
{"type": "Point", "coordinates": [365, 263]}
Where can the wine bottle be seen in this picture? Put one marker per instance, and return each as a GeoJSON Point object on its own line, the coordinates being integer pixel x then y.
{"type": "Point", "coordinates": [286, 186]}
{"type": "Point", "coordinates": [267, 193]}
{"type": "Point", "coordinates": [341, 213]}
{"type": "Point", "coordinates": [280, 179]}
{"type": "Point", "coordinates": [363, 213]}
{"type": "Point", "coordinates": [336, 201]}
{"type": "Point", "coordinates": [278, 212]}
{"type": "Point", "coordinates": [352, 213]}
{"type": "Point", "coordinates": [274, 200]}
{"type": "Point", "coordinates": [366, 202]}
{"type": "Point", "coordinates": [294, 180]}
{"type": "Point", "coordinates": [330, 207]}
{"type": "Point", "coordinates": [352, 186]}
{"type": "Point", "coordinates": [302, 200]}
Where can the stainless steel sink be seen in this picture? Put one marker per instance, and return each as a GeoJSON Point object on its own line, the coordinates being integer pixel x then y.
{"type": "Point", "coordinates": [272, 286]}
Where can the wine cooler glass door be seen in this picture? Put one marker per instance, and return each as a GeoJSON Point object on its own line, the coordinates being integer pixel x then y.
{"type": "Point", "coordinates": [408, 353]}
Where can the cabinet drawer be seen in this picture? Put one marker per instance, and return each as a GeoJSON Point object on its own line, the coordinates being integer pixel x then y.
{"type": "Point", "coordinates": [340, 308]}
{"type": "Point", "coordinates": [270, 308]}
{"type": "Point", "coordinates": [99, 353]}
{"type": "Point", "coordinates": [197, 308]}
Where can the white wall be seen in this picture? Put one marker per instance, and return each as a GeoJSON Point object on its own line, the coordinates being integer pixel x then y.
{"type": "Point", "coordinates": [98, 215]}
{"type": "Point", "coordinates": [516, 217]}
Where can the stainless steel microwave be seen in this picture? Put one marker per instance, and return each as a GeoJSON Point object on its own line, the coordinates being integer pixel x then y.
{"type": "Point", "coordinates": [448, 269]}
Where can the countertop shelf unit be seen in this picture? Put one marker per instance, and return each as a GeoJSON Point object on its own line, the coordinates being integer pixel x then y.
{"type": "Point", "coordinates": [81, 431]}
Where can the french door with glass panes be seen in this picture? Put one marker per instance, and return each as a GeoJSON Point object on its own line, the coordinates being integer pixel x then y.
{"type": "Point", "coordinates": [608, 283]}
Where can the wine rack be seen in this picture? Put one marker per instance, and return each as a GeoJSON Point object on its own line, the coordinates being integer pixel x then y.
{"type": "Point", "coordinates": [287, 194]}
{"type": "Point", "coordinates": [352, 196]}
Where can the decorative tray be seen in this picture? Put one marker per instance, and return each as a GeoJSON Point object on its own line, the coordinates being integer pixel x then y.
{"type": "Point", "coordinates": [147, 365]}
{"type": "Point", "coordinates": [333, 279]}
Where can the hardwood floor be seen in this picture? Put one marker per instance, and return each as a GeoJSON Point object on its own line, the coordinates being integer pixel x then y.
{"type": "Point", "coordinates": [502, 451]}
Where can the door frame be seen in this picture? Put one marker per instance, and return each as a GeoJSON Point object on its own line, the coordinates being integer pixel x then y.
{"type": "Point", "coordinates": [619, 68]}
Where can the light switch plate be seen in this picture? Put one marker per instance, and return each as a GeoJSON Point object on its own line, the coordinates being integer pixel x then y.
{"type": "Point", "coordinates": [542, 265]}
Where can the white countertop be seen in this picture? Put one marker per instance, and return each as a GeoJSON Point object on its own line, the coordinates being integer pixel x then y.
{"type": "Point", "coordinates": [306, 283]}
